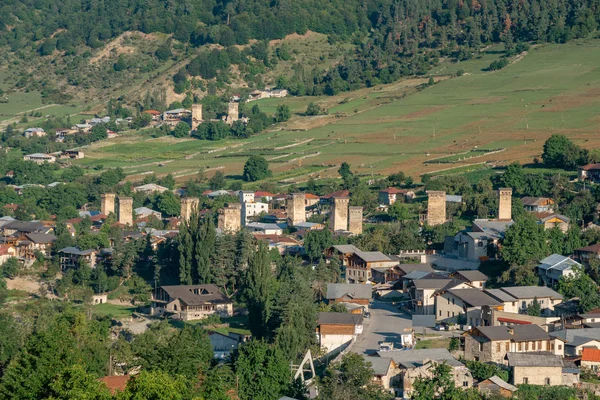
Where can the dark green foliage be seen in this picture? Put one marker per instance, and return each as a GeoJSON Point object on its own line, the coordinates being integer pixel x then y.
{"type": "Point", "coordinates": [482, 371]}
{"type": "Point", "coordinates": [259, 292]}
{"type": "Point", "coordinates": [498, 64]}
{"type": "Point", "coordinates": [283, 113]}
{"type": "Point", "coordinates": [262, 370]}
{"type": "Point", "coordinates": [560, 152]}
{"type": "Point", "coordinates": [580, 285]}
{"type": "Point", "coordinates": [534, 309]}
{"type": "Point", "coordinates": [256, 168]}
{"type": "Point", "coordinates": [181, 130]}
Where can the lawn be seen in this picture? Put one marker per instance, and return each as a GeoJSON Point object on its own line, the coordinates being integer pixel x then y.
{"type": "Point", "coordinates": [114, 310]}
{"type": "Point", "coordinates": [433, 344]}
{"type": "Point", "coordinates": [388, 128]}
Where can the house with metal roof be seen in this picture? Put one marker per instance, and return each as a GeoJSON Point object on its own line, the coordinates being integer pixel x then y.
{"type": "Point", "coordinates": [492, 343]}
{"type": "Point", "coordinates": [452, 304]}
{"type": "Point", "coordinates": [354, 293]}
{"type": "Point", "coordinates": [72, 257]}
{"type": "Point", "coordinates": [475, 278]}
{"type": "Point", "coordinates": [190, 302]}
{"type": "Point", "coordinates": [541, 368]}
{"type": "Point", "coordinates": [358, 268]}
{"type": "Point", "coordinates": [516, 299]}
{"type": "Point", "coordinates": [556, 266]}
{"type": "Point", "coordinates": [338, 330]}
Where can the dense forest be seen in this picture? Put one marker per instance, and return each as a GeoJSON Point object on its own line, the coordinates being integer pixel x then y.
{"type": "Point", "coordinates": [392, 38]}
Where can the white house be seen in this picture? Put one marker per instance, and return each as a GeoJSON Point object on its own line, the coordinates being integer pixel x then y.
{"type": "Point", "coordinates": [269, 229]}
{"type": "Point", "coordinates": [31, 132]}
{"type": "Point", "coordinates": [554, 267]}
{"type": "Point", "coordinates": [252, 209]}
{"type": "Point", "coordinates": [335, 330]}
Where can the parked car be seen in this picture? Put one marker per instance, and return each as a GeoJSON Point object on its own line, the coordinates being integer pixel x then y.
{"type": "Point", "coordinates": [367, 314]}
{"type": "Point", "coordinates": [440, 328]}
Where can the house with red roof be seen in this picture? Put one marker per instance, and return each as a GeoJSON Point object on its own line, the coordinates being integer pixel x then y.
{"type": "Point", "coordinates": [389, 196]}
{"type": "Point", "coordinates": [590, 358]}
{"type": "Point", "coordinates": [585, 254]}
{"type": "Point", "coordinates": [116, 383]}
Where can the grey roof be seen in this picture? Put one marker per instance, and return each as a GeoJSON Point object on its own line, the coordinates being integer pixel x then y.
{"type": "Point", "coordinates": [262, 225]}
{"type": "Point", "coordinates": [431, 283]}
{"type": "Point", "coordinates": [534, 360]}
{"type": "Point", "coordinates": [520, 333]}
{"type": "Point", "coordinates": [407, 268]}
{"type": "Point", "coordinates": [578, 341]}
{"type": "Point", "coordinates": [76, 251]}
{"type": "Point", "coordinates": [41, 237]}
{"type": "Point", "coordinates": [380, 365]}
{"type": "Point", "coordinates": [351, 290]}
{"type": "Point", "coordinates": [472, 275]}
{"type": "Point", "coordinates": [453, 198]}
{"type": "Point", "coordinates": [22, 226]}
{"type": "Point", "coordinates": [144, 211]}
{"type": "Point", "coordinates": [346, 248]}
{"type": "Point", "coordinates": [415, 275]}
{"type": "Point", "coordinates": [557, 262]}
{"type": "Point", "coordinates": [493, 227]}
{"type": "Point", "coordinates": [417, 358]}
{"type": "Point", "coordinates": [500, 295]}
{"type": "Point", "coordinates": [34, 130]}
{"type": "Point", "coordinates": [529, 292]}
{"type": "Point", "coordinates": [533, 201]}
{"type": "Point", "coordinates": [371, 256]}
{"type": "Point", "coordinates": [559, 216]}
{"type": "Point", "coordinates": [206, 294]}
{"type": "Point", "coordinates": [340, 318]}
{"type": "Point", "coordinates": [177, 111]}
{"type": "Point", "coordinates": [474, 297]}
{"type": "Point", "coordinates": [504, 385]}
{"type": "Point", "coordinates": [571, 335]}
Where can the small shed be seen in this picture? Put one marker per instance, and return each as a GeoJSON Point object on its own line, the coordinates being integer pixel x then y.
{"type": "Point", "coordinates": [496, 386]}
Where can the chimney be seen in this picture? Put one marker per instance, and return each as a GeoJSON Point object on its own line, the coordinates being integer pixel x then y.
{"type": "Point", "coordinates": [505, 204]}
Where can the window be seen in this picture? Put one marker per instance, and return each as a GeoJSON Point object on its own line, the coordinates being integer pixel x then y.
{"type": "Point", "coordinates": [523, 304]}
{"type": "Point", "coordinates": [448, 314]}
{"type": "Point", "coordinates": [541, 301]}
{"type": "Point", "coordinates": [479, 244]}
{"type": "Point", "coordinates": [525, 381]}
{"type": "Point", "coordinates": [453, 303]}
{"type": "Point", "coordinates": [507, 346]}
{"type": "Point", "coordinates": [526, 346]}
{"type": "Point", "coordinates": [440, 313]}
{"type": "Point", "coordinates": [480, 346]}
{"type": "Point", "coordinates": [465, 383]}
{"type": "Point", "coordinates": [520, 346]}
{"type": "Point", "coordinates": [547, 381]}
{"type": "Point", "coordinates": [498, 347]}
{"type": "Point", "coordinates": [560, 347]}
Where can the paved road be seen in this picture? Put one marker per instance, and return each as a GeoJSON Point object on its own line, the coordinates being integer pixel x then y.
{"type": "Point", "coordinates": [386, 324]}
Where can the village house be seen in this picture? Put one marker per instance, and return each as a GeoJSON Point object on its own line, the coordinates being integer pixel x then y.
{"type": "Point", "coordinates": [267, 229]}
{"type": "Point", "coordinates": [495, 386]}
{"type": "Point", "coordinates": [516, 299]}
{"type": "Point", "coordinates": [538, 204]}
{"type": "Point", "coordinates": [414, 364]}
{"type": "Point", "coordinates": [556, 266]}
{"type": "Point", "coordinates": [30, 243]}
{"type": "Point", "coordinates": [585, 254]}
{"type": "Point", "coordinates": [421, 292]}
{"type": "Point", "coordinates": [283, 244]}
{"type": "Point", "coordinates": [252, 209]}
{"type": "Point", "coordinates": [385, 274]}
{"type": "Point", "coordinates": [150, 188]}
{"type": "Point", "coordinates": [590, 359]}
{"type": "Point", "coordinates": [335, 330]}
{"type": "Point", "coordinates": [450, 304]}
{"type": "Point", "coordinates": [73, 154]}
{"type": "Point", "coordinates": [40, 158]}
{"type": "Point", "coordinates": [541, 369]}
{"type": "Point", "coordinates": [590, 319]}
{"type": "Point", "coordinates": [552, 220]}
{"type": "Point", "coordinates": [154, 114]}
{"type": "Point", "coordinates": [342, 251]}
{"type": "Point", "coordinates": [72, 257]}
{"type": "Point", "coordinates": [478, 244]}
{"type": "Point", "coordinates": [389, 196]}
{"type": "Point", "coordinates": [492, 343]}
{"type": "Point", "coordinates": [495, 316]}
{"type": "Point", "coordinates": [223, 345]}
{"type": "Point", "coordinates": [578, 339]}
{"type": "Point", "coordinates": [360, 263]}
{"type": "Point", "coordinates": [384, 370]}
{"type": "Point", "coordinates": [173, 117]}
{"type": "Point", "coordinates": [279, 93]}
{"type": "Point", "coordinates": [475, 278]}
{"type": "Point", "coordinates": [7, 251]}
{"type": "Point", "coordinates": [191, 302]}
{"type": "Point", "coordinates": [360, 294]}
{"type": "Point", "coordinates": [590, 172]}
{"type": "Point", "coordinates": [145, 212]}
{"type": "Point", "coordinates": [82, 128]}
{"type": "Point", "coordinates": [34, 132]}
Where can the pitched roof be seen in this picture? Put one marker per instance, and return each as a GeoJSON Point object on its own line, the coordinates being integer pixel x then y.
{"type": "Point", "coordinates": [372, 256]}
{"type": "Point", "coordinates": [492, 227]}
{"type": "Point", "coordinates": [346, 248]}
{"type": "Point", "coordinates": [340, 318]}
{"type": "Point", "coordinates": [570, 335]}
{"type": "Point", "coordinates": [474, 297]}
{"type": "Point", "coordinates": [529, 292]}
{"type": "Point", "coordinates": [415, 275]}
{"type": "Point", "coordinates": [23, 226]}
{"type": "Point", "coordinates": [114, 383]}
{"type": "Point", "coordinates": [417, 358]}
{"type": "Point", "coordinates": [41, 237]}
{"type": "Point", "coordinates": [535, 201]}
{"type": "Point", "coordinates": [500, 295]}
{"type": "Point", "coordinates": [472, 275]}
{"type": "Point", "coordinates": [76, 251]}
{"type": "Point", "coordinates": [590, 354]}
{"type": "Point", "coordinates": [352, 290]}
{"type": "Point", "coordinates": [549, 216]}
{"type": "Point", "coordinates": [520, 333]}
{"type": "Point", "coordinates": [391, 190]}
{"type": "Point", "coordinates": [379, 365]}
{"type": "Point", "coordinates": [4, 249]}
{"type": "Point", "coordinates": [194, 295]}
{"type": "Point", "coordinates": [431, 283]}
{"type": "Point", "coordinates": [557, 262]}
{"type": "Point", "coordinates": [534, 360]}
{"type": "Point", "coordinates": [407, 268]}
{"type": "Point", "coordinates": [593, 248]}
{"type": "Point", "coordinates": [504, 385]}
{"type": "Point", "coordinates": [588, 167]}
{"type": "Point", "coordinates": [453, 198]}
{"type": "Point", "coordinates": [337, 194]}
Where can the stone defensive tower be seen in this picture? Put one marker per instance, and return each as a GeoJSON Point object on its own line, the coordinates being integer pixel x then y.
{"type": "Point", "coordinates": [188, 206]}
{"type": "Point", "coordinates": [126, 211]}
{"type": "Point", "coordinates": [355, 220]}
{"type": "Point", "coordinates": [338, 219]}
{"type": "Point", "coordinates": [505, 204]}
{"type": "Point", "coordinates": [233, 112]}
{"type": "Point", "coordinates": [107, 203]}
{"type": "Point", "coordinates": [296, 209]}
{"type": "Point", "coordinates": [230, 218]}
{"type": "Point", "coordinates": [436, 207]}
{"type": "Point", "coordinates": [196, 116]}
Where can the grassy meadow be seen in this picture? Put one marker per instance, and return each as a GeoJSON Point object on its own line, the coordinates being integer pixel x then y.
{"type": "Point", "coordinates": [379, 130]}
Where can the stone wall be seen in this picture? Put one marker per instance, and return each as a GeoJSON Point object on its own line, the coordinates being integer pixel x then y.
{"type": "Point", "coordinates": [338, 220]}
{"type": "Point", "coordinates": [355, 220]}
{"type": "Point", "coordinates": [295, 207]}
{"type": "Point", "coordinates": [505, 204]}
{"type": "Point", "coordinates": [107, 203]}
{"type": "Point", "coordinates": [126, 211]}
{"type": "Point", "coordinates": [196, 115]}
{"type": "Point", "coordinates": [189, 205]}
{"type": "Point", "coordinates": [230, 218]}
{"type": "Point", "coordinates": [436, 207]}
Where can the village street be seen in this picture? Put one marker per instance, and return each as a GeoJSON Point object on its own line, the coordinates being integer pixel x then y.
{"type": "Point", "coordinates": [386, 324]}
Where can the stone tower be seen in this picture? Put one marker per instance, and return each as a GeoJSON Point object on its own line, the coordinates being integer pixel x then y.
{"type": "Point", "coordinates": [505, 204]}
{"type": "Point", "coordinates": [107, 203]}
{"type": "Point", "coordinates": [188, 206]}
{"type": "Point", "coordinates": [338, 219]}
{"type": "Point", "coordinates": [233, 112]}
{"type": "Point", "coordinates": [296, 209]}
{"type": "Point", "coordinates": [126, 211]}
{"type": "Point", "coordinates": [436, 207]}
{"type": "Point", "coordinates": [196, 115]}
{"type": "Point", "coordinates": [355, 220]}
{"type": "Point", "coordinates": [230, 218]}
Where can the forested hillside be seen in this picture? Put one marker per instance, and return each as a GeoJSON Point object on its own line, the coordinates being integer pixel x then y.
{"type": "Point", "coordinates": [392, 38]}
